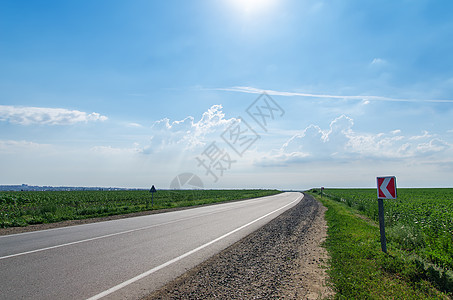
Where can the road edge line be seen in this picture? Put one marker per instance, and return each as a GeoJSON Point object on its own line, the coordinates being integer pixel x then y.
{"type": "Point", "coordinates": [155, 269]}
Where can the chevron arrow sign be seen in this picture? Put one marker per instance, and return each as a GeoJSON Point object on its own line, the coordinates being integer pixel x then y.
{"type": "Point", "coordinates": [386, 187]}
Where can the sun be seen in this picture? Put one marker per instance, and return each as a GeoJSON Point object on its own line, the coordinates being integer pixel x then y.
{"type": "Point", "coordinates": [252, 6]}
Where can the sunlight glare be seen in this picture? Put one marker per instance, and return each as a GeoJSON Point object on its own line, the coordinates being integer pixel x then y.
{"type": "Point", "coordinates": [252, 6]}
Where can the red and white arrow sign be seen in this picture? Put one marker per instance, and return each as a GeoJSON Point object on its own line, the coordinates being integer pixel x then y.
{"type": "Point", "coordinates": [386, 187]}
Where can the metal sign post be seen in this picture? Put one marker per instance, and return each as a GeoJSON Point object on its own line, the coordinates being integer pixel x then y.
{"type": "Point", "coordinates": [381, 225]}
{"type": "Point", "coordinates": [386, 189]}
{"type": "Point", "coordinates": [152, 191]}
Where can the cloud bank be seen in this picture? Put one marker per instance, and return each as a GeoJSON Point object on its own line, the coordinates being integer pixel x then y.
{"type": "Point", "coordinates": [337, 154]}
{"type": "Point", "coordinates": [341, 143]}
{"type": "Point", "coordinates": [23, 115]}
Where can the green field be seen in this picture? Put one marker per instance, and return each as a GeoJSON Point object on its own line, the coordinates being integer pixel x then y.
{"type": "Point", "coordinates": [420, 221]}
{"type": "Point", "coordinates": [35, 207]}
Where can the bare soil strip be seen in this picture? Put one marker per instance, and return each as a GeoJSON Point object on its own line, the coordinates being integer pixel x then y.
{"type": "Point", "coordinates": [283, 259]}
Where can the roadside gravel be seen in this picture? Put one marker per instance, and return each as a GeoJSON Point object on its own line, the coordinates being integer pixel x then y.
{"type": "Point", "coordinates": [283, 259]}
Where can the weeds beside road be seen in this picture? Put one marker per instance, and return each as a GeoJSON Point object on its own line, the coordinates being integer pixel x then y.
{"type": "Point", "coordinates": [360, 270]}
{"type": "Point", "coordinates": [37, 207]}
{"type": "Point", "coordinates": [419, 222]}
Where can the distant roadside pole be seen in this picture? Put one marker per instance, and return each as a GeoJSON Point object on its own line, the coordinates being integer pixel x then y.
{"type": "Point", "coordinates": [152, 190]}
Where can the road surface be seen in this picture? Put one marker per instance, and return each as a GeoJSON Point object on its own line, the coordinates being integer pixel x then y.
{"type": "Point", "coordinates": [126, 258]}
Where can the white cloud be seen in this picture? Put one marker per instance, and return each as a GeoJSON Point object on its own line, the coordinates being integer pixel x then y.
{"type": "Point", "coordinates": [109, 150]}
{"type": "Point", "coordinates": [46, 116]}
{"type": "Point", "coordinates": [134, 125]}
{"type": "Point", "coordinates": [423, 136]}
{"type": "Point", "coordinates": [365, 98]}
{"type": "Point", "coordinates": [377, 145]}
{"type": "Point", "coordinates": [378, 62]}
{"type": "Point", "coordinates": [315, 142]}
{"type": "Point", "coordinates": [433, 146]}
{"type": "Point", "coordinates": [187, 134]}
{"type": "Point", "coordinates": [341, 143]}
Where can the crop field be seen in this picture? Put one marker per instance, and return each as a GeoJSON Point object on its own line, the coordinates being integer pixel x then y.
{"type": "Point", "coordinates": [420, 221]}
{"type": "Point", "coordinates": [35, 207]}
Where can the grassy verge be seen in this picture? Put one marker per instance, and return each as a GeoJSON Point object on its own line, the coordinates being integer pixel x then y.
{"type": "Point", "coordinates": [26, 208]}
{"type": "Point", "coordinates": [420, 221]}
{"type": "Point", "coordinates": [359, 270]}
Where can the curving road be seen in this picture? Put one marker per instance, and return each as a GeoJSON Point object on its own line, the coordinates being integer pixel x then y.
{"type": "Point", "coordinates": [126, 258]}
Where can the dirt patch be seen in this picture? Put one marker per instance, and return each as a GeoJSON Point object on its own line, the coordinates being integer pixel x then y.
{"type": "Point", "coordinates": [283, 259]}
{"type": "Point", "coordinates": [309, 279]}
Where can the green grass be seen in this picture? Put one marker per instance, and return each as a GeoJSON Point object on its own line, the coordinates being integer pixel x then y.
{"type": "Point", "coordinates": [419, 222]}
{"type": "Point", "coordinates": [25, 208]}
{"type": "Point", "coordinates": [360, 270]}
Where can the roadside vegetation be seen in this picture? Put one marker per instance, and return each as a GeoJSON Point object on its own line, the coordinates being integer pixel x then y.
{"type": "Point", "coordinates": [36, 207]}
{"type": "Point", "coordinates": [358, 267]}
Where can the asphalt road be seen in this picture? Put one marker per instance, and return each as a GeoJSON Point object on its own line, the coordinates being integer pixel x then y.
{"type": "Point", "coordinates": [126, 258]}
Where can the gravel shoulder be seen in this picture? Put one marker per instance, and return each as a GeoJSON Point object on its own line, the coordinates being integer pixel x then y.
{"type": "Point", "coordinates": [283, 259]}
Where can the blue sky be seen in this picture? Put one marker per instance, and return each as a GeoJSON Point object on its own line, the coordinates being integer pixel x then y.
{"type": "Point", "coordinates": [133, 93]}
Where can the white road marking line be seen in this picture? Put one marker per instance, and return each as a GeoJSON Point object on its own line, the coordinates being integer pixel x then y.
{"type": "Point", "coordinates": [104, 236]}
{"type": "Point", "coordinates": [60, 228]}
{"type": "Point", "coordinates": [103, 222]}
{"type": "Point", "coordinates": [112, 234]}
{"type": "Point", "coordinates": [155, 269]}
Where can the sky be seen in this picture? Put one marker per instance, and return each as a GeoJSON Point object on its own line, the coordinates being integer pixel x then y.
{"type": "Point", "coordinates": [288, 94]}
